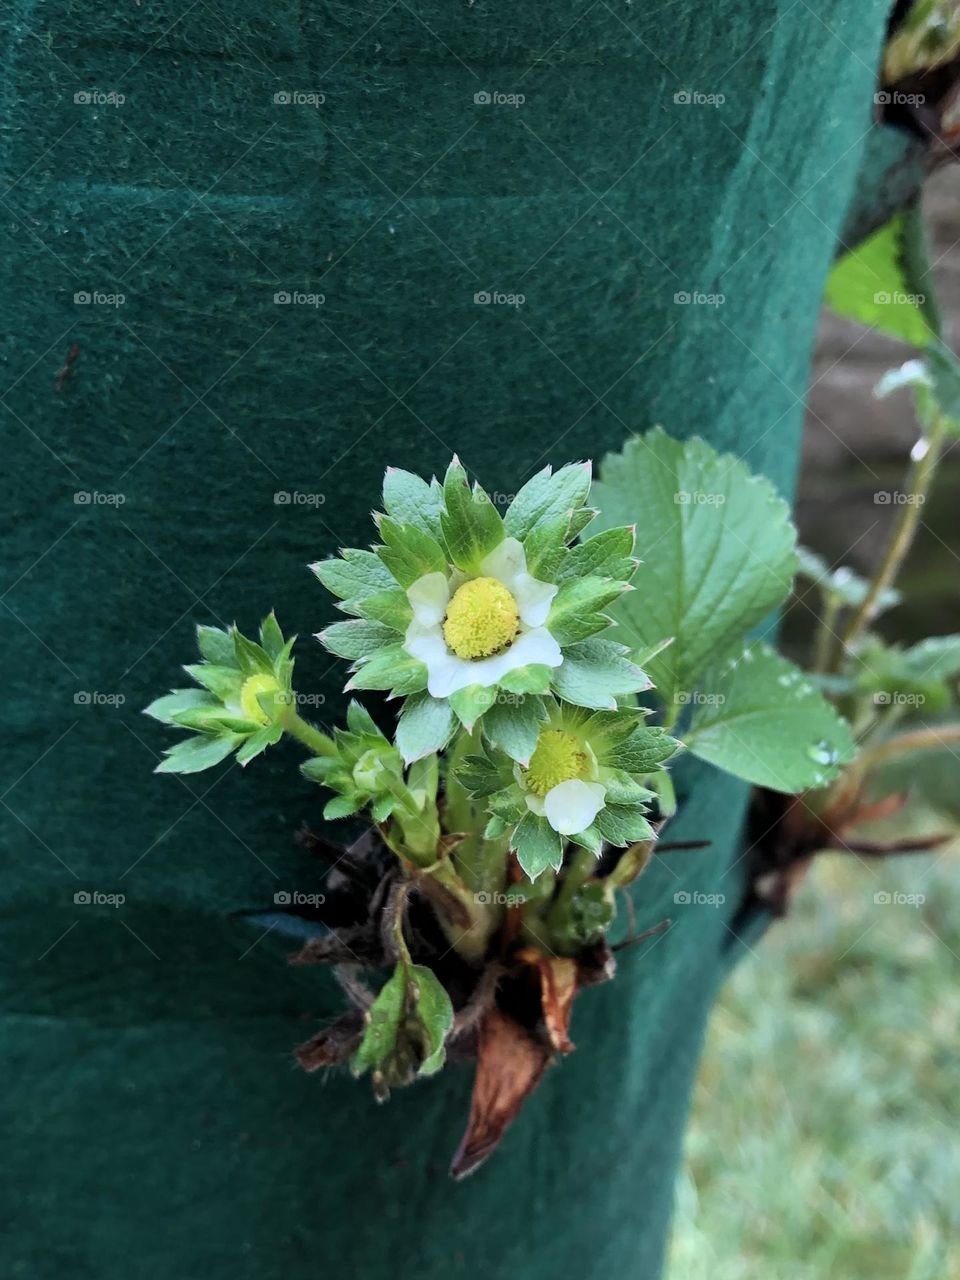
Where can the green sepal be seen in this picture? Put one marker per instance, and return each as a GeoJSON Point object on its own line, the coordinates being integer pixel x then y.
{"type": "Point", "coordinates": [408, 552]}
{"type": "Point", "coordinates": [513, 725]}
{"type": "Point", "coordinates": [355, 575]}
{"type": "Point", "coordinates": [471, 524]}
{"type": "Point", "coordinates": [343, 806]}
{"type": "Point", "coordinates": [591, 840]}
{"type": "Point", "coordinates": [621, 824]}
{"type": "Point", "coordinates": [193, 755]}
{"type": "Point", "coordinates": [472, 702]}
{"type": "Point", "coordinates": [533, 679]}
{"type": "Point", "coordinates": [392, 608]}
{"type": "Point", "coordinates": [544, 548]}
{"type": "Point", "coordinates": [606, 555]}
{"type": "Point", "coordinates": [390, 668]}
{"type": "Point", "coordinates": [223, 682]}
{"type": "Point", "coordinates": [251, 659]}
{"type": "Point", "coordinates": [537, 845]}
{"type": "Point", "coordinates": [165, 709]}
{"type": "Point", "coordinates": [547, 497]}
{"type": "Point", "coordinates": [271, 637]}
{"type": "Point", "coordinates": [258, 742]}
{"type": "Point", "coordinates": [479, 776]}
{"type": "Point", "coordinates": [595, 672]}
{"type": "Point", "coordinates": [575, 614]}
{"type": "Point", "coordinates": [216, 646]}
{"type": "Point", "coordinates": [426, 725]}
{"type": "Point", "coordinates": [410, 500]}
{"type": "Point", "coordinates": [358, 638]}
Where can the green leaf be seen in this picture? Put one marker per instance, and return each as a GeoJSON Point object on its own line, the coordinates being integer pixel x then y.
{"type": "Point", "coordinates": [408, 552]}
{"type": "Point", "coordinates": [411, 500]}
{"type": "Point", "coordinates": [575, 612]}
{"type": "Point", "coordinates": [530, 679]}
{"type": "Point", "coordinates": [193, 755]}
{"type": "Point", "coordinates": [646, 749]}
{"type": "Point", "coordinates": [537, 845]}
{"type": "Point", "coordinates": [594, 673]}
{"type": "Point", "coordinates": [719, 545]}
{"type": "Point", "coordinates": [606, 555]}
{"type": "Point", "coordinates": [357, 638]}
{"type": "Point", "coordinates": [471, 524]}
{"type": "Point", "coordinates": [216, 646]}
{"type": "Point", "coordinates": [343, 806]}
{"type": "Point", "coordinates": [166, 708]}
{"type": "Point", "coordinates": [425, 725]}
{"type": "Point", "coordinates": [383, 1023]}
{"type": "Point", "coordinates": [479, 775]}
{"type": "Point", "coordinates": [471, 703]}
{"type": "Point", "coordinates": [357, 575]}
{"type": "Point", "coordinates": [513, 724]}
{"type": "Point", "coordinates": [919, 676]}
{"type": "Point", "coordinates": [390, 668]}
{"type": "Point", "coordinates": [885, 282]}
{"type": "Point", "coordinates": [434, 1015]}
{"type": "Point", "coordinates": [547, 497]}
{"type": "Point", "coordinates": [760, 718]}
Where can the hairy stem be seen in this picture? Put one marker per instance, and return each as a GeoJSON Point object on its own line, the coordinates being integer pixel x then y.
{"type": "Point", "coordinates": [313, 739]}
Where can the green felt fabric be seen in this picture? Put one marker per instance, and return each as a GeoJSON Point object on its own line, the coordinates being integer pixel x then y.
{"type": "Point", "coordinates": [154, 1121]}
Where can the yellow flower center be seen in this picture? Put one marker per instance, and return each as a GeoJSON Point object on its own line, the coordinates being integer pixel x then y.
{"type": "Point", "coordinates": [250, 690]}
{"type": "Point", "coordinates": [481, 619]}
{"type": "Point", "coordinates": [558, 757]}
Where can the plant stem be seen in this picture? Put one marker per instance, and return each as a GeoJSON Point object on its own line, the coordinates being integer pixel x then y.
{"type": "Point", "coordinates": [823, 642]}
{"type": "Point", "coordinates": [905, 744]}
{"type": "Point", "coordinates": [919, 479]}
{"type": "Point", "coordinates": [313, 739]}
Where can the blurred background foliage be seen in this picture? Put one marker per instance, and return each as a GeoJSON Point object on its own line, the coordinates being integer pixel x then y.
{"type": "Point", "coordinates": [824, 1139]}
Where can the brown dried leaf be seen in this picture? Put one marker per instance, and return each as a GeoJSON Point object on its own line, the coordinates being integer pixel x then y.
{"type": "Point", "coordinates": [510, 1065]}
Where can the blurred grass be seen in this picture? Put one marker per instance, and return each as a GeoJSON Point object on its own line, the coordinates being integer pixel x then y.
{"type": "Point", "coordinates": [824, 1141]}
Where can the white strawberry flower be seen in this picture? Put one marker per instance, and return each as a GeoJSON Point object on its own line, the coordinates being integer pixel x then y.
{"type": "Point", "coordinates": [474, 631]}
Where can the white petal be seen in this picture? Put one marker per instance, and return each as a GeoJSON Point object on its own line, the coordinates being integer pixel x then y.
{"type": "Point", "coordinates": [508, 563]}
{"type": "Point", "coordinates": [534, 804]}
{"type": "Point", "coordinates": [428, 597]}
{"type": "Point", "coordinates": [446, 673]}
{"type": "Point", "coordinates": [505, 562]}
{"type": "Point", "coordinates": [533, 598]}
{"type": "Point", "coordinates": [571, 806]}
